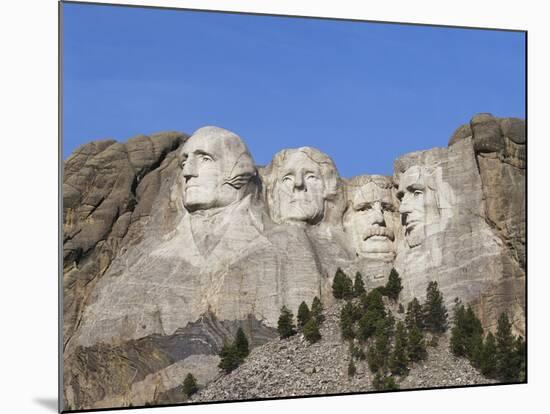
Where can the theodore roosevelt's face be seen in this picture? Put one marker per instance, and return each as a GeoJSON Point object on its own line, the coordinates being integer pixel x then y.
{"type": "Point", "coordinates": [206, 161]}
{"type": "Point", "coordinates": [300, 189]}
{"type": "Point", "coordinates": [369, 221]}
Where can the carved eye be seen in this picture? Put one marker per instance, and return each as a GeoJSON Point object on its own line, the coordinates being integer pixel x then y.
{"type": "Point", "coordinates": [387, 207]}
{"type": "Point", "coordinates": [206, 158]}
{"type": "Point", "coordinates": [182, 163]}
{"type": "Point", "coordinates": [287, 179]}
{"type": "Point", "coordinates": [365, 207]}
{"type": "Point", "coordinates": [311, 176]}
{"type": "Point", "coordinates": [417, 193]}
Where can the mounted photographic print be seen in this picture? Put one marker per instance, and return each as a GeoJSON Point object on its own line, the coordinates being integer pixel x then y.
{"type": "Point", "coordinates": [261, 206]}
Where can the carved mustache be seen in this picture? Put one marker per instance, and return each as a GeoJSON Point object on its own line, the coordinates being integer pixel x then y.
{"type": "Point", "coordinates": [378, 231]}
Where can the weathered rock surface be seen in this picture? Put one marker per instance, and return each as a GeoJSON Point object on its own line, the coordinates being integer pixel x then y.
{"type": "Point", "coordinates": [139, 371]}
{"type": "Point", "coordinates": [108, 192]}
{"type": "Point", "coordinates": [171, 243]}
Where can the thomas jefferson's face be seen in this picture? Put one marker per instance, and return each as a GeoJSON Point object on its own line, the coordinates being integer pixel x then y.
{"type": "Point", "coordinates": [206, 162]}
{"type": "Point", "coordinates": [415, 197]}
{"type": "Point", "coordinates": [300, 189]}
{"type": "Point", "coordinates": [369, 221]}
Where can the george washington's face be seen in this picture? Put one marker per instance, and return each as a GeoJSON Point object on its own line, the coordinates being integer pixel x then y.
{"type": "Point", "coordinates": [208, 159]}
{"type": "Point", "coordinates": [369, 221]}
{"type": "Point", "coordinates": [300, 189]}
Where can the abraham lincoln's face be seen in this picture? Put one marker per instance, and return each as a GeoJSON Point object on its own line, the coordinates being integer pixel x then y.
{"type": "Point", "coordinates": [418, 204]}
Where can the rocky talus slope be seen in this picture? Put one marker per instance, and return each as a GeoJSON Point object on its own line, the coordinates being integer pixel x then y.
{"type": "Point", "coordinates": [293, 367]}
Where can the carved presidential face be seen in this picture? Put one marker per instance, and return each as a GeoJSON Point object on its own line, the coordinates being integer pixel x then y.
{"type": "Point", "coordinates": [300, 187]}
{"type": "Point", "coordinates": [369, 220]}
{"type": "Point", "coordinates": [300, 182]}
{"type": "Point", "coordinates": [215, 166]}
{"type": "Point", "coordinates": [418, 204]}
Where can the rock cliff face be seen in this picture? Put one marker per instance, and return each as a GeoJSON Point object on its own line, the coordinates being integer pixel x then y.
{"type": "Point", "coordinates": [173, 242]}
{"type": "Point", "coordinates": [473, 236]}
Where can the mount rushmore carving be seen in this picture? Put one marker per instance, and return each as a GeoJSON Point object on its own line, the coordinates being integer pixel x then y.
{"type": "Point", "coordinates": [172, 242]}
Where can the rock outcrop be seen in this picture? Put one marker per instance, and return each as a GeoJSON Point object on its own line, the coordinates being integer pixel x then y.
{"type": "Point", "coordinates": [171, 243]}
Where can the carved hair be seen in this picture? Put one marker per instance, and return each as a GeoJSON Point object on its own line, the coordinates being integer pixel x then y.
{"type": "Point", "coordinates": [243, 168]}
{"type": "Point", "coordinates": [328, 169]}
{"type": "Point", "coordinates": [242, 173]}
{"type": "Point", "coordinates": [433, 180]}
{"type": "Point", "coordinates": [358, 184]}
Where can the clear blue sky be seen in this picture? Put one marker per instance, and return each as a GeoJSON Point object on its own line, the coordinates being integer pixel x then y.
{"type": "Point", "coordinates": [364, 93]}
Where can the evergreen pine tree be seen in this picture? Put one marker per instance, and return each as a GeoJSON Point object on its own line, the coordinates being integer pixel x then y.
{"type": "Point", "coordinates": [393, 286]}
{"type": "Point", "coordinates": [506, 371]}
{"type": "Point", "coordinates": [434, 310]}
{"type": "Point", "coordinates": [373, 301]}
{"type": "Point", "coordinates": [351, 368]}
{"type": "Point", "coordinates": [414, 317]}
{"type": "Point", "coordinates": [474, 337]}
{"type": "Point", "coordinates": [399, 358]}
{"type": "Point", "coordinates": [367, 326]}
{"type": "Point", "coordinates": [401, 309]}
{"type": "Point", "coordinates": [317, 310]}
{"type": "Point", "coordinates": [416, 344]}
{"type": "Point", "coordinates": [303, 315]}
{"type": "Point", "coordinates": [389, 324]}
{"type": "Point", "coordinates": [358, 285]}
{"type": "Point", "coordinates": [346, 321]}
{"type": "Point", "coordinates": [348, 287]}
{"type": "Point", "coordinates": [374, 311]}
{"type": "Point", "coordinates": [458, 336]}
{"type": "Point", "coordinates": [379, 358]}
{"type": "Point", "coordinates": [229, 359]}
{"type": "Point", "coordinates": [241, 345]}
{"type": "Point", "coordinates": [285, 325]}
{"type": "Point", "coordinates": [190, 385]}
{"type": "Point", "coordinates": [342, 286]}
{"type": "Point", "coordinates": [488, 362]}
{"type": "Point", "coordinates": [374, 359]}
{"type": "Point", "coordinates": [520, 350]}
{"type": "Point", "coordinates": [311, 331]}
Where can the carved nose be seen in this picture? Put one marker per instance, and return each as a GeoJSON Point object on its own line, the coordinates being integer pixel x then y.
{"type": "Point", "coordinates": [189, 169]}
{"type": "Point", "coordinates": [299, 183]}
{"type": "Point", "coordinates": [405, 208]}
{"type": "Point", "coordinates": [378, 216]}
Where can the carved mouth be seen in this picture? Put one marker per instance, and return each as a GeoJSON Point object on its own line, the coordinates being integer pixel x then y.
{"type": "Point", "coordinates": [378, 233]}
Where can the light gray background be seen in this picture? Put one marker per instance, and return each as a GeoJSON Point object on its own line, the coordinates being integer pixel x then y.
{"type": "Point", "coordinates": [28, 211]}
